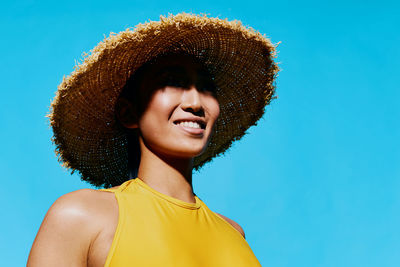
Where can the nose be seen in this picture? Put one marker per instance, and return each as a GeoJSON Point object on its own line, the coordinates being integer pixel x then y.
{"type": "Point", "coordinates": [191, 100]}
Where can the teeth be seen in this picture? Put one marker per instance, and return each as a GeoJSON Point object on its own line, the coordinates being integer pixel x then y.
{"type": "Point", "coordinates": [190, 124]}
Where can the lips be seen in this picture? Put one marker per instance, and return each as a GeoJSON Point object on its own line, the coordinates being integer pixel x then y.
{"type": "Point", "coordinates": [191, 126]}
{"type": "Point", "coordinates": [191, 123]}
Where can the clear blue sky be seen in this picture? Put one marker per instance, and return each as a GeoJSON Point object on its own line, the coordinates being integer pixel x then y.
{"type": "Point", "coordinates": [316, 183]}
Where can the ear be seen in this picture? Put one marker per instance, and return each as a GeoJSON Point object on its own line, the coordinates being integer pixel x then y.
{"type": "Point", "coordinates": [126, 113]}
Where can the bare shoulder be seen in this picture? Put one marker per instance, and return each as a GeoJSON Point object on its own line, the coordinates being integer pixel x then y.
{"type": "Point", "coordinates": [69, 227]}
{"type": "Point", "coordinates": [234, 224]}
{"type": "Point", "coordinates": [90, 200]}
{"type": "Point", "coordinates": [80, 207]}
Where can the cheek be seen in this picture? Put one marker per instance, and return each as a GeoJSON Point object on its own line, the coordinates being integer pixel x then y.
{"type": "Point", "coordinates": [214, 109]}
{"type": "Point", "coordinates": [217, 110]}
{"type": "Point", "coordinates": [164, 100]}
{"type": "Point", "coordinates": [157, 112]}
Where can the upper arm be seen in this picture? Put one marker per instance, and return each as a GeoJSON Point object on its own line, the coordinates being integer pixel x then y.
{"type": "Point", "coordinates": [65, 234]}
{"type": "Point", "coordinates": [234, 224]}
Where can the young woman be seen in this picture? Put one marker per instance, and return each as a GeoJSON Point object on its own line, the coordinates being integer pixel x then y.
{"type": "Point", "coordinates": [138, 115]}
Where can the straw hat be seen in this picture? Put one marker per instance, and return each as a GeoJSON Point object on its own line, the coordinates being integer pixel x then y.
{"type": "Point", "coordinates": [87, 136]}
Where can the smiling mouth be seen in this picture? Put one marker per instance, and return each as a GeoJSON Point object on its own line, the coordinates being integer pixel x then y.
{"type": "Point", "coordinates": [191, 124]}
{"type": "Point", "coordinates": [193, 128]}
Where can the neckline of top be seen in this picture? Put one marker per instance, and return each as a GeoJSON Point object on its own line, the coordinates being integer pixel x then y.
{"type": "Point", "coordinates": [173, 200]}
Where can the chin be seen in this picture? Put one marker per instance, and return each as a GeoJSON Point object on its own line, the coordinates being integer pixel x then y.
{"type": "Point", "coordinates": [188, 152]}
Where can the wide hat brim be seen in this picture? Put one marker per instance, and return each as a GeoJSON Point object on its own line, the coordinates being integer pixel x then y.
{"type": "Point", "coordinates": [87, 137]}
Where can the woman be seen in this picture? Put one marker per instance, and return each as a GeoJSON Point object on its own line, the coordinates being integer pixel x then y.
{"type": "Point", "coordinates": [140, 113]}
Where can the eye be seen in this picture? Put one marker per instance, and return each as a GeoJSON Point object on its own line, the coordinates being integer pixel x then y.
{"type": "Point", "coordinates": [175, 80]}
{"type": "Point", "coordinates": [206, 86]}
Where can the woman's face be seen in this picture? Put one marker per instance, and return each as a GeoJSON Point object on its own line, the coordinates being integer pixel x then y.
{"type": "Point", "coordinates": [180, 108]}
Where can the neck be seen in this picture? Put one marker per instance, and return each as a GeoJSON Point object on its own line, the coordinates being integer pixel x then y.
{"type": "Point", "coordinates": [170, 176]}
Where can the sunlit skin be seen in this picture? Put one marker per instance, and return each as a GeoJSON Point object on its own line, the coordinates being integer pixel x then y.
{"type": "Point", "coordinates": [79, 227]}
{"type": "Point", "coordinates": [176, 89]}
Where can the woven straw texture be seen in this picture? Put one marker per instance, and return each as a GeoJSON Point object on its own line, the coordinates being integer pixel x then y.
{"type": "Point", "coordinates": [87, 137]}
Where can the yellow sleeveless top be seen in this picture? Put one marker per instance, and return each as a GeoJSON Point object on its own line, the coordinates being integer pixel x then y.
{"type": "Point", "coordinates": [155, 229]}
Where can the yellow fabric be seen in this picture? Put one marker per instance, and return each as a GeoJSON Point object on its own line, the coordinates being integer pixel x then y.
{"type": "Point", "coordinates": [155, 229]}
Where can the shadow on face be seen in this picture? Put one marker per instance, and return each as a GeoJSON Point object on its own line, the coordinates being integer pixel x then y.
{"type": "Point", "coordinates": [174, 70]}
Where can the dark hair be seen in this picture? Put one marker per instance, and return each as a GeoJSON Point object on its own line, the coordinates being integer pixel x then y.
{"type": "Point", "coordinates": [131, 92]}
